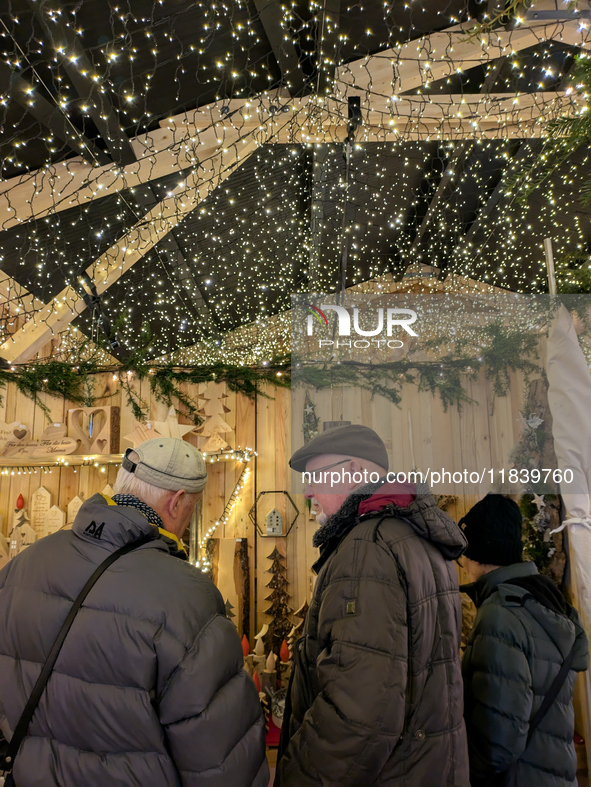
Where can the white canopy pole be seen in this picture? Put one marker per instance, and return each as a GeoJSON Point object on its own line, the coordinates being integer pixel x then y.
{"type": "Point", "coordinates": [569, 397]}
{"type": "Point", "coordinates": [550, 265]}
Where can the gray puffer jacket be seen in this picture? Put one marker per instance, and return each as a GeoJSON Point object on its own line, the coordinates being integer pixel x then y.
{"type": "Point", "coordinates": [149, 689]}
{"type": "Point", "coordinates": [376, 694]}
{"type": "Point", "coordinates": [523, 632]}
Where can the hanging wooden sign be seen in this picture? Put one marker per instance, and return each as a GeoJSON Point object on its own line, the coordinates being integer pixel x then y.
{"type": "Point", "coordinates": [73, 508]}
{"type": "Point", "coordinates": [22, 449]}
{"type": "Point", "coordinates": [55, 519]}
{"type": "Point", "coordinates": [53, 441]}
{"type": "Point", "coordinates": [95, 429]}
{"type": "Point", "coordinates": [40, 505]}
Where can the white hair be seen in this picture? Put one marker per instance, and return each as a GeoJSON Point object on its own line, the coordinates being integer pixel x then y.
{"type": "Point", "coordinates": [128, 484]}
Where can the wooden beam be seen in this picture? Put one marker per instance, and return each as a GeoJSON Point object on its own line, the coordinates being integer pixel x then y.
{"type": "Point", "coordinates": [120, 257]}
{"type": "Point", "coordinates": [191, 136]}
{"type": "Point", "coordinates": [425, 60]}
{"type": "Point", "coordinates": [452, 172]}
{"type": "Point", "coordinates": [16, 298]}
{"type": "Point", "coordinates": [194, 137]}
{"type": "Point", "coordinates": [159, 153]}
{"type": "Point", "coordinates": [19, 303]}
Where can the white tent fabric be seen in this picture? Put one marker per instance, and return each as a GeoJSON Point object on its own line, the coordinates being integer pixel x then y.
{"type": "Point", "coordinates": [569, 396]}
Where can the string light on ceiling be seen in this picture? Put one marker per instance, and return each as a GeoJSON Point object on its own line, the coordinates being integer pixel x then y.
{"type": "Point", "coordinates": [271, 224]}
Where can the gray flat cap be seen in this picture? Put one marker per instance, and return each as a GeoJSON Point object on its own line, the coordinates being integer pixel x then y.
{"type": "Point", "coordinates": [354, 440]}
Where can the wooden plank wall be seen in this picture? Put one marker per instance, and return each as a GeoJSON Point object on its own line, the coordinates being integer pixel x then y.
{"type": "Point", "coordinates": [267, 426]}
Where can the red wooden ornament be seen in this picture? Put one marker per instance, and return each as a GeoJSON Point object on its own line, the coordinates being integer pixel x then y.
{"type": "Point", "coordinates": [20, 502]}
{"type": "Point", "coordinates": [284, 652]}
{"type": "Point", "coordinates": [257, 681]}
{"type": "Point", "coordinates": [245, 646]}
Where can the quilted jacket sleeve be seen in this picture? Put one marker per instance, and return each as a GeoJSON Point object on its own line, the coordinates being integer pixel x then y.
{"type": "Point", "coordinates": [212, 716]}
{"type": "Point", "coordinates": [498, 691]}
{"type": "Point", "coordinates": [354, 723]}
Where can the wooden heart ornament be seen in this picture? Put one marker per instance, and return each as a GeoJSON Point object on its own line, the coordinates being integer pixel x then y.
{"type": "Point", "coordinates": [95, 429]}
{"type": "Point", "coordinates": [14, 432]}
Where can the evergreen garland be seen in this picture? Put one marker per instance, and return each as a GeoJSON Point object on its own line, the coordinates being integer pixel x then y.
{"type": "Point", "coordinates": [75, 381]}
{"type": "Point", "coordinates": [499, 350]}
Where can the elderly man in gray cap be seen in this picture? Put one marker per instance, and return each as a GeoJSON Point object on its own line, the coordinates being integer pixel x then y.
{"type": "Point", "coordinates": [376, 691]}
{"type": "Point", "coordinates": [149, 686]}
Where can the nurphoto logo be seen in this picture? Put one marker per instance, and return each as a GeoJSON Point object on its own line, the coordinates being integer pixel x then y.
{"type": "Point", "coordinates": [402, 318]}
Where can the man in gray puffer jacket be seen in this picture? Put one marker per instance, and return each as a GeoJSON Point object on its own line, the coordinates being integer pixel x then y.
{"type": "Point", "coordinates": [376, 690]}
{"type": "Point", "coordinates": [524, 631]}
{"type": "Point", "coordinates": [149, 689]}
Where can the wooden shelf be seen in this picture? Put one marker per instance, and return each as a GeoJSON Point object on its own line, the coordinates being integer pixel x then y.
{"type": "Point", "coordinates": [71, 460]}
{"type": "Point", "coordinates": [97, 460]}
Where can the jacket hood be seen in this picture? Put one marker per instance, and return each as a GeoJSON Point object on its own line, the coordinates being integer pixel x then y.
{"type": "Point", "coordinates": [488, 583]}
{"type": "Point", "coordinates": [434, 525]}
{"type": "Point", "coordinates": [101, 521]}
{"type": "Point", "coordinates": [426, 519]}
{"type": "Point", "coordinates": [520, 585]}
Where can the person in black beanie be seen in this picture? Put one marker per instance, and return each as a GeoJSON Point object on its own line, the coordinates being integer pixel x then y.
{"type": "Point", "coordinates": [520, 663]}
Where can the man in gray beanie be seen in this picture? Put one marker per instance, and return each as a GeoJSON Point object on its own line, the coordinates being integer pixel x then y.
{"type": "Point", "coordinates": [376, 691]}
{"type": "Point", "coordinates": [149, 686]}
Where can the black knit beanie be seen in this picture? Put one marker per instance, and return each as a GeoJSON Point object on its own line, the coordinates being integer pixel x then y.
{"type": "Point", "coordinates": [493, 528]}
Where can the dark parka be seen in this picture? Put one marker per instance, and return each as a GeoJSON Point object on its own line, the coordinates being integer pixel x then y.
{"type": "Point", "coordinates": [148, 690]}
{"type": "Point", "coordinates": [514, 652]}
{"type": "Point", "coordinates": [376, 694]}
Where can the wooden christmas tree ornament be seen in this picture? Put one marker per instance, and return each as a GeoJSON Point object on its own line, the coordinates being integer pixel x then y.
{"type": "Point", "coordinates": [214, 426]}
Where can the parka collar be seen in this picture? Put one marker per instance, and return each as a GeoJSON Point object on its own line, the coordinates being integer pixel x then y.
{"type": "Point", "coordinates": [101, 521]}
{"type": "Point", "coordinates": [487, 584]}
{"type": "Point", "coordinates": [423, 515]}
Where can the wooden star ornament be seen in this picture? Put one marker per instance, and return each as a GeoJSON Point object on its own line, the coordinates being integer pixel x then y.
{"type": "Point", "coordinates": [171, 427]}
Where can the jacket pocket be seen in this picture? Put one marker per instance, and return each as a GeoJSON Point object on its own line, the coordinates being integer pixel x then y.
{"type": "Point", "coordinates": [304, 682]}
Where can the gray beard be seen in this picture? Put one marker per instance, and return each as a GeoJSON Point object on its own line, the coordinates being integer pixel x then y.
{"type": "Point", "coordinates": [321, 518]}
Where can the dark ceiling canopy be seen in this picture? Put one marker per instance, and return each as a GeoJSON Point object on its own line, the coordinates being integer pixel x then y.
{"type": "Point", "coordinates": [84, 78]}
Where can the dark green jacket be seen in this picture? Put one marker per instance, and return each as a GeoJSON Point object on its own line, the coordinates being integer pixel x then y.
{"type": "Point", "coordinates": [514, 653]}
